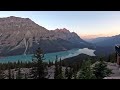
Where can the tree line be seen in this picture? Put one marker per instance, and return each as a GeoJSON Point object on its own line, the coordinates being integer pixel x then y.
{"type": "Point", "coordinates": [38, 69]}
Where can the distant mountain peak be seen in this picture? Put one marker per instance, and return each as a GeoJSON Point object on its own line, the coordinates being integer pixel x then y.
{"type": "Point", "coordinates": [62, 30]}
{"type": "Point", "coordinates": [15, 17]}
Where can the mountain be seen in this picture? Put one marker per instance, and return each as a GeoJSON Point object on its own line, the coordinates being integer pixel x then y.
{"type": "Point", "coordinates": [108, 41]}
{"type": "Point", "coordinates": [23, 36]}
{"type": "Point", "coordinates": [99, 39]}
{"type": "Point", "coordinates": [106, 45]}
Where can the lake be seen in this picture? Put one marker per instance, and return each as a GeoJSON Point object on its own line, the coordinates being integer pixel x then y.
{"type": "Point", "coordinates": [49, 56]}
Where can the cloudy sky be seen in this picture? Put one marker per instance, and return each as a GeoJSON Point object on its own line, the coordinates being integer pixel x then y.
{"type": "Point", "coordinates": [84, 23]}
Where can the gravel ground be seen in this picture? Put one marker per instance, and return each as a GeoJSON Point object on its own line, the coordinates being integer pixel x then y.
{"type": "Point", "coordinates": [115, 69]}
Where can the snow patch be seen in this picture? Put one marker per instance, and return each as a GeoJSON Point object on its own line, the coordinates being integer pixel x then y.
{"type": "Point", "coordinates": [17, 32]}
{"type": "Point", "coordinates": [0, 34]}
{"type": "Point", "coordinates": [28, 33]}
{"type": "Point", "coordinates": [26, 46]}
{"type": "Point", "coordinates": [14, 48]}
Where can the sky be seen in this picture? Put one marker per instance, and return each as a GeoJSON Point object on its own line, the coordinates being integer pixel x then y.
{"type": "Point", "coordinates": [84, 23]}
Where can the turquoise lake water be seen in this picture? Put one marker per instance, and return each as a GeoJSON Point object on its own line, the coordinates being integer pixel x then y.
{"type": "Point", "coordinates": [49, 56]}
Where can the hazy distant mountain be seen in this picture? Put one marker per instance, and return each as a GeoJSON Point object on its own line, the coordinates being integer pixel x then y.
{"type": "Point", "coordinates": [88, 37]}
{"type": "Point", "coordinates": [95, 40]}
{"type": "Point", "coordinates": [23, 36]}
{"type": "Point", "coordinates": [106, 45]}
{"type": "Point", "coordinates": [108, 41]}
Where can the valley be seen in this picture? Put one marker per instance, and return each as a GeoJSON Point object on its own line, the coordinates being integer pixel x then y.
{"type": "Point", "coordinates": [31, 51]}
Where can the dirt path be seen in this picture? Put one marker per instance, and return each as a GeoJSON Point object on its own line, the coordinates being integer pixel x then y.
{"type": "Point", "coordinates": [115, 70]}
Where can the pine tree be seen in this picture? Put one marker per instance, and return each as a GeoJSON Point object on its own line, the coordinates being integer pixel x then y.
{"type": "Point", "coordinates": [75, 75]}
{"type": "Point", "coordinates": [13, 75]}
{"type": "Point", "coordinates": [18, 64]}
{"type": "Point", "coordinates": [19, 75]}
{"type": "Point", "coordinates": [9, 73]}
{"type": "Point", "coordinates": [101, 70]}
{"type": "Point", "coordinates": [75, 70]}
{"type": "Point", "coordinates": [2, 74]}
{"type": "Point", "coordinates": [60, 76]}
{"type": "Point", "coordinates": [66, 73]}
{"type": "Point", "coordinates": [56, 73]}
{"type": "Point", "coordinates": [50, 63]}
{"type": "Point", "coordinates": [25, 76]}
{"type": "Point", "coordinates": [77, 67]}
{"type": "Point", "coordinates": [86, 71]}
{"type": "Point", "coordinates": [70, 73]}
{"type": "Point", "coordinates": [38, 70]}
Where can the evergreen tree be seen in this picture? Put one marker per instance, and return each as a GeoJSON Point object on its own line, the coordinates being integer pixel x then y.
{"type": "Point", "coordinates": [9, 73]}
{"type": "Point", "coordinates": [66, 73]}
{"type": "Point", "coordinates": [86, 71]}
{"type": "Point", "coordinates": [75, 70]}
{"type": "Point", "coordinates": [19, 75]}
{"type": "Point", "coordinates": [50, 63]}
{"type": "Point", "coordinates": [25, 76]}
{"type": "Point", "coordinates": [2, 74]}
{"type": "Point", "coordinates": [101, 70]}
{"type": "Point", "coordinates": [77, 67]}
{"type": "Point", "coordinates": [60, 76]}
{"type": "Point", "coordinates": [13, 75]}
{"type": "Point", "coordinates": [56, 73]}
{"type": "Point", "coordinates": [18, 64]}
{"type": "Point", "coordinates": [38, 70]}
{"type": "Point", "coordinates": [75, 75]}
{"type": "Point", "coordinates": [70, 73]}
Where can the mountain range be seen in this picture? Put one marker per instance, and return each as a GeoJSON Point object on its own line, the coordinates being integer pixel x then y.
{"type": "Point", "coordinates": [23, 36]}
{"type": "Point", "coordinates": [105, 45]}
{"type": "Point", "coordinates": [97, 40]}
{"type": "Point", "coordinates": [106, 41]}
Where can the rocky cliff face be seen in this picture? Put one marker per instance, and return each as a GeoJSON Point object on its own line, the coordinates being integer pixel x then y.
{"type": "Point", "coordinates": [23, 36]}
